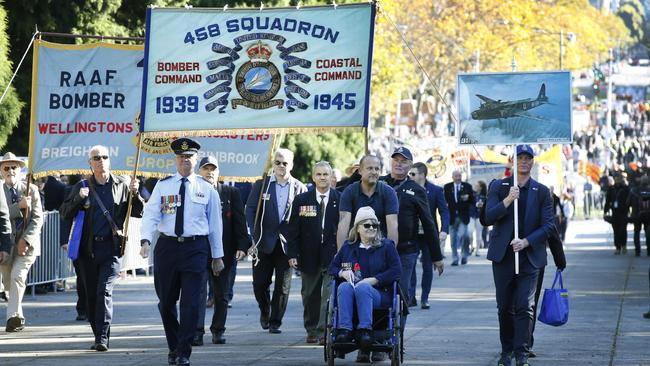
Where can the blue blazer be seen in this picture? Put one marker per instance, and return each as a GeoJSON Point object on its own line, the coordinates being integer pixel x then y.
{"type": "Point", "coordinates": [383, 263]}
{"type": "Point", "coordinates": [538, 224]}
{"type": "Point", "coordinates": [305, 231]}
{"type": "Point", "coordinates": [273, 224]}
{"type": "Point", "coordinates": [436, 196]}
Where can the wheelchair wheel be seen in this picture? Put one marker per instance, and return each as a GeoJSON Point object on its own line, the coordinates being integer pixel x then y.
{"type": "Point", "coordinates": [397, 354]}
{"type": "Point", "coordinates": [328, 349]}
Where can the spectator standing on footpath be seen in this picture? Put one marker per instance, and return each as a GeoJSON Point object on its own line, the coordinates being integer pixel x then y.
{"type": "Point", "coordinates": [616, 211]}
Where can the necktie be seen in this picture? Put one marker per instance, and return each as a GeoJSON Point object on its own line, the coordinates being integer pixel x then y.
{"type": "Point", "coordinates": [457, 192]}
{"type": "Point", "coordinates": [321, 209]}
{"type": "Point", "coordinates": [178, 228]}
{"type": "Point", "coordinates": [14, 199]}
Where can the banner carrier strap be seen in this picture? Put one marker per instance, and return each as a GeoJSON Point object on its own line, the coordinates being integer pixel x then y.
{"type": "Point", "coordinates": [31, 41]}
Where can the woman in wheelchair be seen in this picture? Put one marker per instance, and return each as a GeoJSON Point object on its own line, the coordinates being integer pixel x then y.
{"type": "Point", "coordinates": [368, 265]}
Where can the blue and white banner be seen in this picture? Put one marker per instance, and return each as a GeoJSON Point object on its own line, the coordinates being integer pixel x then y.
{"type": "Point", "coordinates": [288, 68]}
{"type": "Point", "coordinates": [86, 95]}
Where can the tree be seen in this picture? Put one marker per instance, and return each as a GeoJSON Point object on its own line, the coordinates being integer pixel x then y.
{"type": "Point", "coordinates": [11, 105]}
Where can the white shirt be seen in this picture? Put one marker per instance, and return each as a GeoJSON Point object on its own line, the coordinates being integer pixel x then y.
{"type": "Point", "coordinates": [325, 201]}
{"type": "Point", "coordinates": [201, 211]}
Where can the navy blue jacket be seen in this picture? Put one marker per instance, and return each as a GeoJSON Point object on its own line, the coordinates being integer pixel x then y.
{"type": "Point", "coordinates": [436, 196]}
{"type": "Point", "coordinates": [273, 224]}
{"type": "Point", "coordinates": [382, 263]}
{"type": "Point", "coordinates": [538, 221]}
{"type": "Point", "coordinates": [305, 231]}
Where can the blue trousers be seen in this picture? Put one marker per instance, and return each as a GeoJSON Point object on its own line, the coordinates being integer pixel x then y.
{"type": "Point", "coordinates": [365, 297]}
{"type": "Point", "coordinates": [180, 271]}
{"type": "Point", "coordinates": [459, 234]}
{"type": "Point", "coordinates": [99, 276]}
{"type": "Point", "coordinates": [427, 272]}
{"type": "Point", "coordinates": [408, 262]}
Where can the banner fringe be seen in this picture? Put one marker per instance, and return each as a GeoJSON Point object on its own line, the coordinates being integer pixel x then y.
{"type": "Point", "coordinates": [159, 175]}
{"type": "Point", "coordinates": [249, 131]}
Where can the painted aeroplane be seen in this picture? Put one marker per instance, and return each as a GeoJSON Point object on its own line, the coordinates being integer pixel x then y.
{"type": "Point", "coordinates": [497, 109]}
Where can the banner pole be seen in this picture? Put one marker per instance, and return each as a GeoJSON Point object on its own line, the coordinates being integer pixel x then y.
{"type": "Point", "coordinates": [515, 171]}
{"type": "Point", "coordinates": [125, 230]}
{"type": "Point", "coordinates": [365, 139]}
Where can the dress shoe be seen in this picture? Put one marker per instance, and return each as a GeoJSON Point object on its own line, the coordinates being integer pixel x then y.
{"type": "Point", "coordinates": [646, 315]}
{"type": "Point", "coordinates": [274, 330]}
{"type": "Point", "coordinates": [522, 361]}
{"type": "Point", "coordinates": [343, 336]}
{"type": "Point", "coordinates": [312, 339]}
{"type": "Point", "coordinates": [93, 347]}
{"type": "Point", "coordinates": [531, 354]}
{"type": "Point", "coordinates": [229, 305]}
{"type": "Point", "coordinates": [321, 341]}
{"type": "Point", "coordinates": [264, 321]}
{"type": "Point", "coordinates": [454, 263]}
{"type": "Point", "coordinates": [198, 340]}
{"type": "Point", "coordinates": [365, 339]}
{"type": "Point", "coordinates": [425, 306]}
{"type": "Point", "coordinates": [183, 361]}
{"type": "Point", "coordinates": [505, 359]}
{"type": "Point", "coordinates": [3, 296]}
{"type": "Point", "coordinates": [379, 356]}
{"type": "Point", "coordinates": [171, 358]}
{"type": "Point", "coordinates": [101, 347]}
{"type": "Point", "coordinates": [363, 356]}
{"type": "Point", "coordinates": [217, 338]}
{"type": "Point", "coordinates": [209, 303]}
{"type": "Point", "coordinates": [413, 303]}
{"type": "Point", "coordinates": [463, 261]}
{"type": "Point", "coordinates": [81, 317]}
{"type": "Point", "coordinates": [15, 324]}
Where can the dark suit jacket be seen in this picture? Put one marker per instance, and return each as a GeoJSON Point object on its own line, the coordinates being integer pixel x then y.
{"type": "Point", "coordinates": [53, 194]}
{"type": "Point", "coordinates": [460, 209]}
{"type": "Point", "coordinates": [436, 197]}
{"type": "Point", "coordinates": [235, 235]}
{"type": "Point", "coordinates": [73, 203]}
{"type": "Point", "coordinates": [305, 230]}
{"type": "Point", "coordinates": [538, 221]}
{"type": "Point", "coordinates": [268, 215]}
{"type": "Point", "coordinates": [5, 224]}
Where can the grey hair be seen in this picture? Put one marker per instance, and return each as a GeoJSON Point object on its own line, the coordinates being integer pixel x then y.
{"type": "Point", "coordinates": [285, 153]}
{"type": "Point", "coordinates": [353, 236]}
{"type": "Point", "coordinates": [322, 164]}
{"type": "Point", "coordinates": [96, 148]}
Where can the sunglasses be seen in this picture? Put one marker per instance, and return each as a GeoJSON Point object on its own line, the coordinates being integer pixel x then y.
{"type": "Point", "coordinates": [99, 157]}
{"type": "Point", "coordinates": [371, 226]}
{"type": "Point", "coordinates": [412, 174]}
{"type": "Point", "coordinates": [8, 168]}
{"type": "Point", "coordinates": [283, 163]}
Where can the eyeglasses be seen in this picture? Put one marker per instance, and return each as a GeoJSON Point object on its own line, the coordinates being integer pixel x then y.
{"type": "Point", "coordinates": [283, 163]}
{"type": "Point", "coordinates": [99, 157]}
{"type": "Point", "coordinates": [371, 226]}
{"type": "Point", "coordinates": [413, 174]}
{"type": "Point", "coordinates": [8, 168]}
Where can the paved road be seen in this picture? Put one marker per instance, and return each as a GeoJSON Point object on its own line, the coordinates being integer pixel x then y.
{"type": "Point", "coordinates": [608, 295]}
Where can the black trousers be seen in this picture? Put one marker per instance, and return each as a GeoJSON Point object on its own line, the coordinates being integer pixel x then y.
{"type": "Point", "coordinates": [221, 287]}
{"type": "Point", "coordinates": [619, 225]}
{"type": "Point", "coordinates": [99, 276]}
{"type": "Point", "coordinates": [538, 292]}
{"type": "Point", "coordinates": [515, 298]}
{"type": "Point", "coordinates": [638, 224]}
{"type": "Point", "coordinates": [81, 290]}
{"type": "Point", "coordinates": [272, 309]}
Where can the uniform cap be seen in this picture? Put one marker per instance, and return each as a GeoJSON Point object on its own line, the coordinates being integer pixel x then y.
{"type": "Point", "coordinates": [185, 146]}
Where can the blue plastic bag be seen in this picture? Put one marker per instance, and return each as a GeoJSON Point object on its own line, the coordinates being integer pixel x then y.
{"type": "Point", "coordinates": [75, 232]}
{"type": "Point", "coordinates": [555, 306]}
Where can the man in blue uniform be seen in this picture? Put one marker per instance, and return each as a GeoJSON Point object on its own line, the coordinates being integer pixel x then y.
{"type": "Point", "coordinates": [186, 210]}
{"type": "Point", "coordinates": [311, 246]}
{"type": "Point", "coordinates": [515, 293]}
{"type": "Point", "coordinates": [267, 212]}
{"type": "Point", "coordinates": [436, 198]}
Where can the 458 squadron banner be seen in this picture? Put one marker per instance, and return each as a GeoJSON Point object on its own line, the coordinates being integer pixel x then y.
{"type": "Point", "coordinates": [86, 95]}
{"type": "Point", "coordinates": [285, 68]}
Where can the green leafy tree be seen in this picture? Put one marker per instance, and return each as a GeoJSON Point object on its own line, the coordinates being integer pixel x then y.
{"type": "Point", "coordinates": [10, 106]}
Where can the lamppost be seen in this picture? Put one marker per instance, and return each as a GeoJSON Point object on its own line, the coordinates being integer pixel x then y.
{"type": "Point", "coordinates": [571, 37]}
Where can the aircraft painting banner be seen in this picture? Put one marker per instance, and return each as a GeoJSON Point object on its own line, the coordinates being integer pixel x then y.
{"type": "Point", "coordinates": [284, 68]}
{"type": "Point", "coordinates": [514, 108]}
{"type": "Point", "coordinates": [85, 95]}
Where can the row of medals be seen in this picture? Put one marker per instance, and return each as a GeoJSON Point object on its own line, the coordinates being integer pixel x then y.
{"type": "Point", "coordinates": [169, 203]}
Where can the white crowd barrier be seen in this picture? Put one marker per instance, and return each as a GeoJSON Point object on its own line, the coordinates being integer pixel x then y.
{"type": "Point", "coordinates": [54, 265]}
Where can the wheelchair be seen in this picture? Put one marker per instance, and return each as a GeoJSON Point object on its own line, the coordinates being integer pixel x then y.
{"type": "Point", "coordinates": [387, 332]}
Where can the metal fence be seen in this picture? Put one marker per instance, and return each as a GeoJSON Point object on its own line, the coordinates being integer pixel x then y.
{"type": "Point", "coordinates": [54, 265]}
